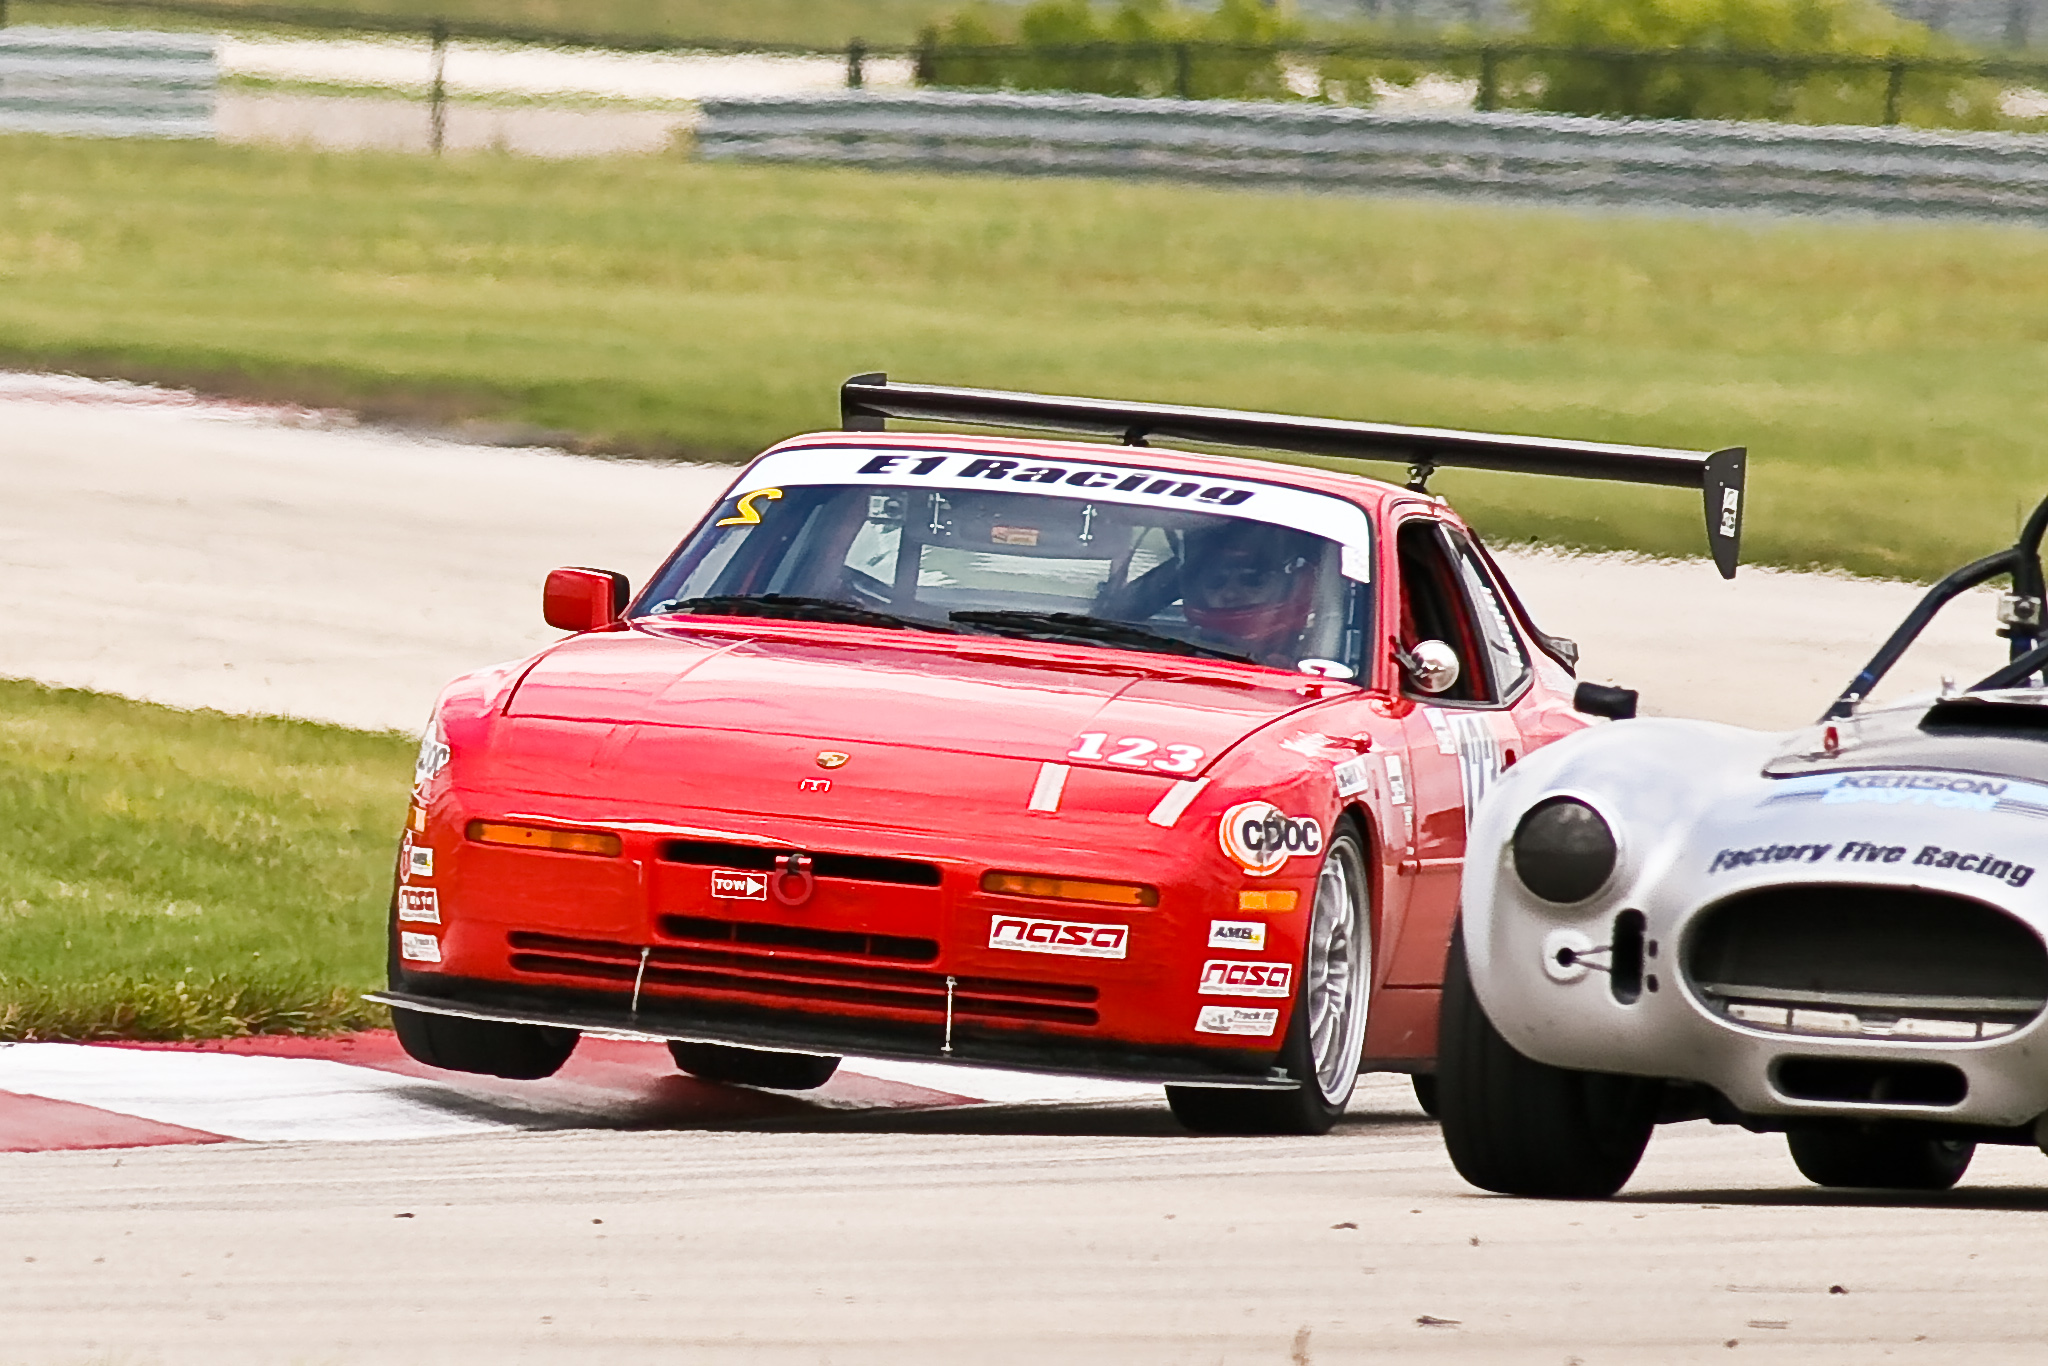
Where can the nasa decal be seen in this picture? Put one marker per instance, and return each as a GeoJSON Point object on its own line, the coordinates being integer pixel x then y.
{"type": "Point", "coordinates": [1260, 840]}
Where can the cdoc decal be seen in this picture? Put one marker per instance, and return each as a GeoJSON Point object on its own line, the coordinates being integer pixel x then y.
{"type": "Point", "coordinates": [1260, 840]}
{"type": "Point", "coordinates": [1069, 937]}
{"type": "Point", "coordinates": [1237, 977]}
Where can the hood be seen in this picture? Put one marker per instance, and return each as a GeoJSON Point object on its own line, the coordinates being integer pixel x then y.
{"type": "Point", "coordinates": [1997, 733]}
{"type": "Point", "coordinates": [975, 696]}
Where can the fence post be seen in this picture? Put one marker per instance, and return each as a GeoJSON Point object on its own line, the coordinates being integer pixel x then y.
{"type": "Point", "coordinates": [2018, 19]}
{"type": "Point", "coordinates": [856, 57]}
{"type": "Point", "coordinates": [1488, 98]}
{"type": "Point", "coordinates": [437, 97]}
{"type": "Point", "coordinates": [1894, 85]}
{"type": "Point", "coordinates": [1183, 78]}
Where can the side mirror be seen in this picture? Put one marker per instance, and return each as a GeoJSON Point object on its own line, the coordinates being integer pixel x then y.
{"type": "Point", "coordinates": [1431, 666]}
{"type": "Point", "coordinates": [584, 599]}
{"type": "Point", "coordinates": [1595, 699]}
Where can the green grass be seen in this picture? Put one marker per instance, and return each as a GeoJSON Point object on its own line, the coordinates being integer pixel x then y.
{"type": "Point", "coordinates": [186, 874]}
{"type": "Point", "coordinates": [1886, 376]}
{"type": "Point", "coordinates": [820, 23]}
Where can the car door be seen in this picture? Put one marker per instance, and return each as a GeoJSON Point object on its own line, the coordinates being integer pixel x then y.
{"type": "Point", "coordinates": [1460, 739]}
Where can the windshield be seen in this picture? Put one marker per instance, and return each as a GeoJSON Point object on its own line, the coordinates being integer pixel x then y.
{"type": "Point", "coordinates": [1042, 560]}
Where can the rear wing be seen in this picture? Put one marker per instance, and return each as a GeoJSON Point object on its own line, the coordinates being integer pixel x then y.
{"type": "Point", "coordinates": [866, 402]}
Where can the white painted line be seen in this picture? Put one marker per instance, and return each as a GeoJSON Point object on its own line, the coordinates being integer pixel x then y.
{"type": "Point", "coordinates": [241, 1096]}
{"type": "Point", "coordinates": [1176, 801]}
{"type": "Point", "coordinates": [1045, 793]}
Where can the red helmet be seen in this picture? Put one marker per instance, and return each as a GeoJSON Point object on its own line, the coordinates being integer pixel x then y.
{"type": "Point", "coordinates": [1250, 585]}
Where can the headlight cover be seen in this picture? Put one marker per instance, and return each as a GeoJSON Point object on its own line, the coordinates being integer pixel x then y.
{"type": "Point", "coordinates": [434, 755]}
{"type": "Point", "coordinates": [1564, 851]}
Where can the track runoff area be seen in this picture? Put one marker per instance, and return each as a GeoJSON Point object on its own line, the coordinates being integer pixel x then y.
{"type": "Point", "coordinates": [252, 1200]}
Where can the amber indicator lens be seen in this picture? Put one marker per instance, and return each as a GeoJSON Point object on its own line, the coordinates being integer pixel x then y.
{"type": "Point", "coordinates": [1070, 889]}
{"type": "Point", "coordinates": [1268, 899]}
{"type": "Point", "coordinates": [540, 837]}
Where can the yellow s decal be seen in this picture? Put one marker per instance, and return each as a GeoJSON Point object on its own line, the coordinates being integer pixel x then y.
{"type": "Point", "coordinates": [749, 515]}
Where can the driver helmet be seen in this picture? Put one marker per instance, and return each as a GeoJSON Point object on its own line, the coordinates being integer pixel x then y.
{"type": "Point", "coordinates": [1249, 583]}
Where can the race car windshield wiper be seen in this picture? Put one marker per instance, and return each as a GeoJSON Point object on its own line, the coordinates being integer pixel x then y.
{"type": "Point", "coordinates": [1091, 630]}
{"type": "Point", "coordinates": [795, 607]}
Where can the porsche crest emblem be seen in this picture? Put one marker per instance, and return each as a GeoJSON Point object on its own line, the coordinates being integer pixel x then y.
{"type": "Point", "coordinates": [832, 758]}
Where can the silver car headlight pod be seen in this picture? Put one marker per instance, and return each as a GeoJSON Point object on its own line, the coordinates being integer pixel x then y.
{"type": "Point", "coordinates": [1564, 850]}
{"type": "Point", "coordinates": [434, 754]}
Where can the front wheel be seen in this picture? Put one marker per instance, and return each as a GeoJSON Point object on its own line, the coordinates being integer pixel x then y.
{"type": "Point", "coordinates": [522, 1052]}
{"type": "Point", "coordinates": [754, 1066]}
{"type": "Point", "coordinates": [1878, 1156]}
{"type": "Point", "coordinates": [1326, 1035]}
{"type": "Point", "coordinates": [1523, 1127]}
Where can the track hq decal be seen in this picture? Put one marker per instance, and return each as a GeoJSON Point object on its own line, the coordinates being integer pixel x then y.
{"type": "Point", "coordinates": [1259, 1021]}
{"type": "Point", "coordinates": [1098, 481]}
{"type": "Point", "coordinates": [1243, 977]}
{"type": "Point", "coordinates": [1069, 937]}
{"type": "Point", "coordinates": [1940, 791]}
{"type": "Point", "coordinates": [1249, 935]}
{"type": "Point", "coordinates": [419, 948]}
{"type": "Point", "coordinates": [422, 904]}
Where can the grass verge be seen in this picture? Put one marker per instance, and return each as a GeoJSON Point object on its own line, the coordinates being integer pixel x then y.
{"type": "Point", "coordinates": [1885, 375]}
{"type": "Point", "coordinates": [176, 875]}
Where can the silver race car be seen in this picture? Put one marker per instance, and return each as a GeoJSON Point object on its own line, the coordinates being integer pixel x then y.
{"type": "Point", "coordinates": [1836, 933]}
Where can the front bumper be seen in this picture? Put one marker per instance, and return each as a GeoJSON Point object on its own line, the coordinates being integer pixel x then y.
{"type": "Point", "coordinates": [662, 1018]}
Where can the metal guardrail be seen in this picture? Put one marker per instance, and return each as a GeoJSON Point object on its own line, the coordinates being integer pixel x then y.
{"type": "Point", "coordinates": [107, 83]}
{"type": "Point", "coordinates": [1782, 167]}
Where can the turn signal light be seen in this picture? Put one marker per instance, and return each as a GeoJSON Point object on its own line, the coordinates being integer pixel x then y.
{"type": "Point", "coordinates": [540, 837]}
{"type": "Point", "coordinates": [1070, 889]}
{"type": "Point", "coordinates": [1268, 900]}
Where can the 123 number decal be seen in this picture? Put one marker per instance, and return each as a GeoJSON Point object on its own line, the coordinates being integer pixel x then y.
{"type": "Point", "coordinates": [1135, 751]}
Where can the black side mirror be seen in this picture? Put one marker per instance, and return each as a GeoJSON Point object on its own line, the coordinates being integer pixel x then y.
{"type": "Point", "coordinates": [1596, 699]}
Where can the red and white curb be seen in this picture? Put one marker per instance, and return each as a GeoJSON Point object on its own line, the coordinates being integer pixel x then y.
{"type": "Point", "coordinates": [363, 1087]}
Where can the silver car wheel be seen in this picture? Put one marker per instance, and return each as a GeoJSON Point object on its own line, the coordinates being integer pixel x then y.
{"type": "Point", "coordinates": [1339, 970]}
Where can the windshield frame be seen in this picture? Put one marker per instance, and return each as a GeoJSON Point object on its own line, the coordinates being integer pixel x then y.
{"type": "Point", "coordinates": [1076, 475]}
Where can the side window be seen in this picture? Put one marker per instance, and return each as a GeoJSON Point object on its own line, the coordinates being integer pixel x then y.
{"type": "Point", "coordinates": [1508, 663]}
{"type": "Point", "coordinates": [1433, 606]}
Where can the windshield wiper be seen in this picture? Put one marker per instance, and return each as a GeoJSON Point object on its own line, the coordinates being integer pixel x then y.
{"type": "Point", "coordinates": [1092, 630]}
{"type": "Point", "coordinates": [795, 607]}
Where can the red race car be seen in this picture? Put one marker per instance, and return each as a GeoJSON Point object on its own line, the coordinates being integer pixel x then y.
{"type": "Point", "coordinates": [1055, 755]}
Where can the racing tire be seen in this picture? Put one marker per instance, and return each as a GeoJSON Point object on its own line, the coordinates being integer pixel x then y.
{"type": "Point", "coordinates": [1326, 1034]}
{"type": "Point", "coordinates": [1425, 1093]}
{"type": "Point", "coordinates": [753, 1066]}
{"type": "Point", "coordinates": [1878, 1156]}
{"type": "Point", "coordinates": [521, 1052]}
{"type": "Point", "coordinates": [1522, 1127]}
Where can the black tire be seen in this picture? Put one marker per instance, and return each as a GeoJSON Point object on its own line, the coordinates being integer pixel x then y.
{"type": "Point", "coordinates": [1326, 1083]}
{"type": "Point", "coordinates": [1522, 1127]}
{"type": "Point", "coordinates": [753, 1066]}
{"type": "Point", "coordinates": [1878, 1156]}
{"type": "Point", "coordinates": [1425, 1093]}
{"type": "Point", "coordinates": [522, 1052]}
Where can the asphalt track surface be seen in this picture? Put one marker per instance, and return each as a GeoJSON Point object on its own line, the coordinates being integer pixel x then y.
{"type": "Point", "coordinates": [206, 555]}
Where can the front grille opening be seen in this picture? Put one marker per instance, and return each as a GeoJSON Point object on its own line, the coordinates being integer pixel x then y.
{"type": "Point", "coordinates": [1625, 963]}
{"type": "Point", "coordinates": [1871, 1081]}
{"type": "Point", "coordinates": [1869, 962]}
{"type": "Point", "coordinates": [846, 943]}
{"type": "Point", "coordinates": [744, 974]}
{"type": "Point", "coordinates": [754, 858]}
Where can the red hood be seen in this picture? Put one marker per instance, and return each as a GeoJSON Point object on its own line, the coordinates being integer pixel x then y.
{"type": "Point", "coordinates": [982, 696]}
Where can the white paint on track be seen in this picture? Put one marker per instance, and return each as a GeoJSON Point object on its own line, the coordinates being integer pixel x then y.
{"type": "Point", "coordinates": [239, 1096]}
